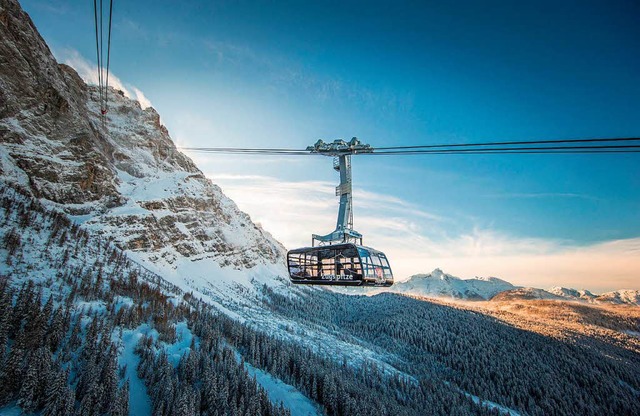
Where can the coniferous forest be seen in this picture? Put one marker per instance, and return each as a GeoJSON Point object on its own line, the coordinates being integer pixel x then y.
{"type": "Point", "coordinates": [63, 328]}
{"type": "Point", "coordinates": [62, 336]}
{"type": "Point", "coordinates": [480, 355]}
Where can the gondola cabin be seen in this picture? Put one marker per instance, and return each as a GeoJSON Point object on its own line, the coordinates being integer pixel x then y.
{"type": "Point", "coordinates": [344, 264]}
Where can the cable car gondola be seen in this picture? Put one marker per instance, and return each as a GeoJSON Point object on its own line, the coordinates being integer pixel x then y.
{"type": "Point", "coordinates": [345, 264]}
{"type": "Point", "coordinates": [339, 258]}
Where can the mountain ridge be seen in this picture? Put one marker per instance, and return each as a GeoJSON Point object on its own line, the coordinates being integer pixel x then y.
{"type": "Point", "coordinates": [440, 284]}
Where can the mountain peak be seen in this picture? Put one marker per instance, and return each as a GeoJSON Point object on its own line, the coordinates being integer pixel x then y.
{"type": "Point", "coordinates": [440, 284]}
{"type": "Point", "coordinates": [437, 273]}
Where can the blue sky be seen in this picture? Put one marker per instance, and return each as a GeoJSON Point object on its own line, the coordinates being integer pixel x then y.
{"type": "Point", "coordinates": [266, 74]}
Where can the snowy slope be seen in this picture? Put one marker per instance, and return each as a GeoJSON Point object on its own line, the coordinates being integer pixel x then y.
{"type": "Point", "coordinates": [630, 297]}
{"type": "Point", "coordinates": [164, 212]}
{"type": "Point", "coordinates": [572, 293]}
{"type": "Point", "coordinates": [173, 218]}
{"type": "Point", "coordinates": [43, 247]}
{"type": "Point", "coordinates": [440, 284]}
{"type": "Point", "coordinates": [525, 293]}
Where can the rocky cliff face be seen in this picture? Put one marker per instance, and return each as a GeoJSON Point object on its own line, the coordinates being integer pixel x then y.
{"type": "Point", "coordinates": [44, 124]}
{"type": "Point", "coordinates": [126, 181]}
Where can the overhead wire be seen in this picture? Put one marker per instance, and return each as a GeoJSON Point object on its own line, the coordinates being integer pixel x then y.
{"type": "Point", "coordinates": [106, 90]}
{"type": "Point", "coordinates": [572, 146]}
{"type": "Point", "coordinates": [95, 21]}
{"type": "Point", "coordinates": [103, 73]}
{"type": "Point", "coordinates": [591, 140]}
{"type": "Point", "coordinates": [544, 149]}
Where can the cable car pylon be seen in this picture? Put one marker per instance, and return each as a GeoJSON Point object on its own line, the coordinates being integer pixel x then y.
{"type": "Point", "coordinates": [341, 152]}
{"type": "Point", "coordinates": [339, 258]}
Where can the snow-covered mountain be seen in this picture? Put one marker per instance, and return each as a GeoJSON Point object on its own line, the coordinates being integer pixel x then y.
{"type": "Point", "coordinates": [618, 297]}
{"type": "Point", "coordinates": [526, 293]}
{"type": "Point", "coordinates": [129, 185]}
{"type": "Point", "coordinates": [572, 293]}
{"type": "Point", "coordinates": [125, 181]}
{"type": "Point", "coordinates": [438, 283]}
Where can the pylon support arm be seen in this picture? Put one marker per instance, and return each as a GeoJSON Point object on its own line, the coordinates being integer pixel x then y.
{"type": "Point", "coordinates": [341, 152]}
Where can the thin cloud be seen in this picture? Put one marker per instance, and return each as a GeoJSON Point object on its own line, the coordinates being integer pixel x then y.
{"type": "Point", "coordinates": [292, 211]}
{"type": "Point", "coordinates": [282, 75]}
{"type": "Point", "coordinates": [53, 7]}
{"type": "Point", "coordinates": [88, 71]}
{"type": "Point", "coordinates": [141, 98]}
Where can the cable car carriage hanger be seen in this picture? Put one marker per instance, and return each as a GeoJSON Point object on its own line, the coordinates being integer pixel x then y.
{"type": "Point", "coordinates": [339, 258]}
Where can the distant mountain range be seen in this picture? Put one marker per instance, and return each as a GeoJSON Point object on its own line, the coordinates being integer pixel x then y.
{"type": "Point", "coordinates": [440, 284]}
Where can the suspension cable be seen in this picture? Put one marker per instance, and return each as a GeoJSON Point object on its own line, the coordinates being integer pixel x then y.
{"type": "Point", "coordinates": [615, 139]}
{"type": "Point", "coordinates": [103, 73]}
{"type": "Point", "coordinates": [575, 146]}
{"type": "Point", "coordinates": [95, 21]}
{"type": "Point", "coordinates": [106, 89]}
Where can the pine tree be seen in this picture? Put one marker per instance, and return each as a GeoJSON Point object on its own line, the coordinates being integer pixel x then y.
{"type": "Point", "coordinates": [109, 380]}
{"type": "Point", "coordinates": [5, 313]}
{"type": "Point", "coordinates": [28, 396]}
{"type": "Point", "coordinates": [21, 307]}
{"type": "Point", "coordinates": [69, 402]}
{"type": "Point", "coordinates": [56, 331]}
{"type": "Point", "coordinates": [48, 309]}
{"type": "Point", "coordinates": [13, 371]}
{"type": "Point", "coordinates": [120, 404]}
{"type": "Point", "coordinates": [56, 395]}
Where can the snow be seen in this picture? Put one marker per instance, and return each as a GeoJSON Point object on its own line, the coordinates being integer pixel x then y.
{"type": "Point", "coordinates": [438, 283]}
{"type": "Point", "coordinates": [280, 392]}
{"type": "Point", "coordinates": [139, 402]}
{"type": "Point", "coordinates": [492, 405]}
{"type": "Point", "coordinates": [96, 306]}
{"type": "Point", "coordinates": [11, 172]}
{"type": "Point", "coordinates": [627, 296]}
{"type": "Point", "coordinates": [11, 410]}
{"type": "Point", "coordinates": [121, 301]}
{"type": "Point", "coordinates": [176, 350]}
